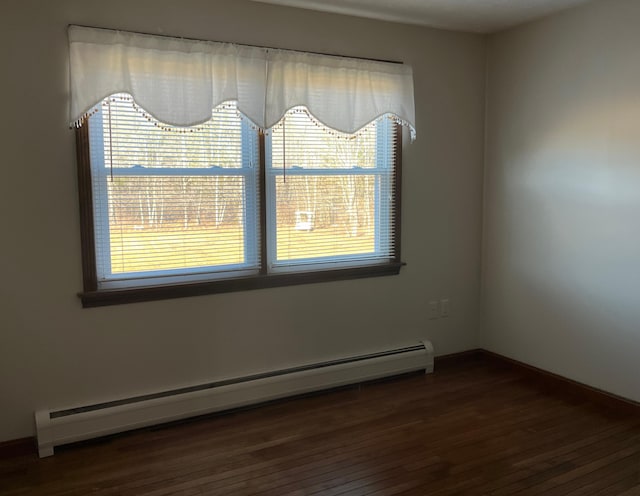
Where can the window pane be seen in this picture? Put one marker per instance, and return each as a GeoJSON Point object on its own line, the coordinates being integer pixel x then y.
{"type": "Point", "coordinates": [325, 216]}
{"type": "Point", "coordinates": [160, 223]}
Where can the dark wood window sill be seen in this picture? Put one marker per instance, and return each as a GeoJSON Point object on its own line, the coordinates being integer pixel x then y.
{"type": "Point", "coordinates": [134, 295]}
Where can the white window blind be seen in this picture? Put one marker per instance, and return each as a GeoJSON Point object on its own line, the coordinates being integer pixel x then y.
{"type": "Point", "coordinates": [331, 196]}
{"type": "Point", "coordinates": [172, 202]}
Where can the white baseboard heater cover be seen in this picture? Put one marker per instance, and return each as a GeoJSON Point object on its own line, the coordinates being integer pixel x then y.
{"type": "Point", "coordinates": [64, 426]}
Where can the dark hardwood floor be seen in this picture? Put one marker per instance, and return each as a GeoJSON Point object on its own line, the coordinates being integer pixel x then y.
{"type": "Point", "coordinates": [473, 427]}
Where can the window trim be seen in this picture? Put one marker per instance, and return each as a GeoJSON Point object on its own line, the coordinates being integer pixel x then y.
{"type": "Point", "coordinates": [91, 296]}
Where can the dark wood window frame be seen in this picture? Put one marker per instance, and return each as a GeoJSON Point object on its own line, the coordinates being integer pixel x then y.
{"type": "Point", "coordinates": [92, 296]}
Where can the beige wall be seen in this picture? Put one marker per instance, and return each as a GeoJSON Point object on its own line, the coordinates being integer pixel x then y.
{"type": "Point", "coordinates": [561, 264]}
{"type": "Point", "coordinates": [55, 354]}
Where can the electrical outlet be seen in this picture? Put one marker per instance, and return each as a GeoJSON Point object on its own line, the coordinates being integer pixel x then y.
{"type": "Point", "coordinates": [445, 308]}
{"type": "Point", "coordinates": [433, 310]}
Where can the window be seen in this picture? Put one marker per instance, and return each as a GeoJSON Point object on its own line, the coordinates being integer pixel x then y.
{"type": "Point", "coordinates": [185, 205]}
{"type": "Point", "coordinates": [330, 199]}
{"type": "Point", "coordinates": [171, 204]}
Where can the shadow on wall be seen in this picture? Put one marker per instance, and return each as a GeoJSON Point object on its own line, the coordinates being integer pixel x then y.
{"type": "Point", "coordinates": [565, 261]}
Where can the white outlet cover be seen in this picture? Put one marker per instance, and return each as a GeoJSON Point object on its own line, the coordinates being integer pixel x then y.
{"type": "Point", "coordinates": [444, 307]}
{"type": "Point", "coordinates": [433, 310]}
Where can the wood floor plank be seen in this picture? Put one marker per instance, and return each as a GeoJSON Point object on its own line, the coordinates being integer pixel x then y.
{"type": "Point", "coordinates": [470, 428]}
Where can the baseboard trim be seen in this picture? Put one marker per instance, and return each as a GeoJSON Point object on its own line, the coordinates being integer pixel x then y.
{"type": "Point", "coordinates": [459, 358]}
{"type": "Point", "coordinates": [559, 384]}
{"type": "Point", "coordinates": [18, 447]}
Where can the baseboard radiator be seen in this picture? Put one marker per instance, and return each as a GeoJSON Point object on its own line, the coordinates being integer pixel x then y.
{"type": "Point", "coordinates": [69, 425]}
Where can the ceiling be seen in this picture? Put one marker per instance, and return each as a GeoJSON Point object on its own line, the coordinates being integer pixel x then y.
{"type": "Point", "coordinates": [481, 16]}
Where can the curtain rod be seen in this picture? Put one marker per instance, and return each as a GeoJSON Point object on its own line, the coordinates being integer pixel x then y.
{"type": "Point", "coordinates": [240, 44]}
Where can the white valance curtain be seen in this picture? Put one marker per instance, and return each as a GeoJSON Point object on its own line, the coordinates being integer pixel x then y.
{"type": "Point", "coordinates": [180, 82]}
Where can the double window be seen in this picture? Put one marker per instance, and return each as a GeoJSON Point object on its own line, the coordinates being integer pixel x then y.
{"type": "Point", "coordinates": [174, 210]}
